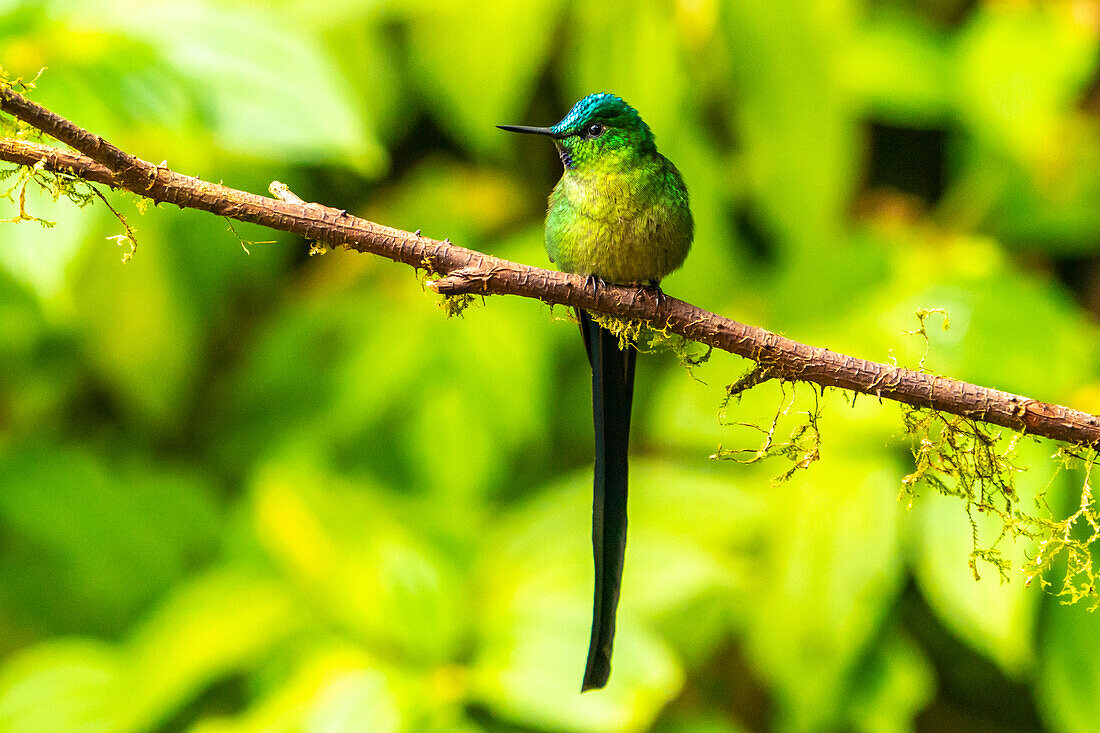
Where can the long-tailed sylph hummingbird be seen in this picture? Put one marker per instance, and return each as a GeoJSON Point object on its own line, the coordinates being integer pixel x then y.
{"type": "Point", "coordinates": [619, 214]}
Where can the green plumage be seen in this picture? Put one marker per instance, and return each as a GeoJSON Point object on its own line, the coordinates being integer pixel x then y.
{"type": "Point", "coordinates": [619, 214]}
{"type": "Point", "coordinates": [620, 210]}
{"type": "Point", "coordinates": [625, 220]}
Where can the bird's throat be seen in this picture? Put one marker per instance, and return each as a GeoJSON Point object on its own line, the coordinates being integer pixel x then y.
{"type": "Point", "coordinates": [566, 156]}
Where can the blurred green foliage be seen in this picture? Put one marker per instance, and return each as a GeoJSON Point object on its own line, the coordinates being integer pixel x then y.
{"type": "Point", "coordinates": [270, 492]}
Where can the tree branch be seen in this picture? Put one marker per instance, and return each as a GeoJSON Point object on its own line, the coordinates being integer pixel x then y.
{"type": "Point", "coordinates": [462, 271]}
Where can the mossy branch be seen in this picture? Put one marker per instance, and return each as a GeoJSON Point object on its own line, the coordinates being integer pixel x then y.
{"type": "Point", "coordinates": [461, 271]}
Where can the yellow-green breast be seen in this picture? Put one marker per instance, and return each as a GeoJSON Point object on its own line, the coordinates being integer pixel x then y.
{"type": "Point", "coordinates": [626, 221]}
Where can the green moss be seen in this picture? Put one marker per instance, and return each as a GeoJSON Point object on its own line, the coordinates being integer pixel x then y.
{"type": "Point", "coordinates": [649, 340]}
{"type": "Point", "coordinates": [1071, 540]}
{"type": "Point", "coordinates": [12, 126]}
{"type": "Point", "coordinates": [802, 445]}
{"type": "Point", "coordinates": [452, 305]}
{"type": "Point", "coordinates": [959, 457]}
{"type": "Point", "coordinates": [922, 330]}
{"type": "Point", "coordinates": [970, 461]}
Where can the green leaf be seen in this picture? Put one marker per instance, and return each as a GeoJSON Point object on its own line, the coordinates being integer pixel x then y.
{"type": "Point", "coordinates": [352, 551]}
{"type": "Point", "coordinates": [1000, 319]}
{"type": "Point", "coordinates": [61, 685]}
{"type": "Point", "coordinates": [417, 402]}
{"type": "Point", "coordinates": [1021, 69]}
{"type": "Point", "coordinates": [40, 257]}
{"type": "Point", "coordinates": [328, 690]}
{"type": "Point", "coordinates": [892, 686]}
{"type": "Point", "coordinates": [901, 67]}
{"type": "Point", "coordinates": [39, 378]}
{"type": "Point", "coordinates": [1069, 674]}
{"type": "Point", "coordinates": [444, 198]}
{"type": "Point", "coordinates": [218, 623]}
{"type": "Point", "coordinates": [695, 722]}
{"type": "Point", "coordinates": [628, 42]}
{"type": "Point", "coordinates": [794, 116]}
{"type": "Point", "coordinates": [135, 332]}
{"type": "Point", "coordinates": [92, 549]}
{"type": "Point", "coordinates": [223, 622]}
{"type": "Point", "coordinates": [448, 48]}
{"type": "Point", "coordinates": [226, 55]}
{"type": "Point", "coordinates": [538, 682]}
{"type": "Point", "coordinates": [1058, 212]}
{"type": "Point", "coordinates": [830, 573]}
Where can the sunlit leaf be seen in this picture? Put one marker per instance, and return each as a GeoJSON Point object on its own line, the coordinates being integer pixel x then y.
{"type": "Point", "coordinates": [360, 562]}
{"type": "Point", "coordinates": [63, 685]}
{"type": "Point", "coordinates": [999, 319]}
{"type": "Point", "coordinates": [429, 400]}
{"type": "Point", "coordinates": [38, 256]}
{"type": "Point", "coordinates": [135, 332]}
{"type": "Point", "coordinates": [218, 624]}
{"type": "Point", "coordinates": [902, 68]}
{"type": "Point", "coordinates": [333, 690]}
{"type": "Point", "coordinates": [1020, 69]}
{"type": "Point", "coordinates": [210, 627]}
{"type": "Point", "coordinates": [628, 41]}
{"type": "Point", "coordinates": [796, 122]}
{"type": "Point", "coordinates": [226, 54]}
{"type": "Point", "coordinates": [445, 199]}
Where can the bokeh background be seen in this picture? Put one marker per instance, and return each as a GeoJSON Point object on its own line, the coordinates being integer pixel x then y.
{"type": "Point", "coordinates": [263, 491]}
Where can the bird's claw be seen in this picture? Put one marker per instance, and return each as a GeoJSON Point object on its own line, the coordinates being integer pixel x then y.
{"type": "Point", "coordinates": [594, 283]}
{"type": "Point", "coordinates": [654, 289]}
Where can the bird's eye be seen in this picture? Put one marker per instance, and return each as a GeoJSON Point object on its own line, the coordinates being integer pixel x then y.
{"type": "Point", "coordinates": [594, 130]}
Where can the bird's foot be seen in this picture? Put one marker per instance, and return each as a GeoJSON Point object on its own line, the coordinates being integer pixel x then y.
{"type": "Point", "coordinates": [594, 283]}
{"type": "Point", "coordinates": [654, 288]}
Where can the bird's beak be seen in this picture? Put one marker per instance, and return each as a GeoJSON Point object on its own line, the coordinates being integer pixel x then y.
{"type": "Point", "coordinates": [549, 132]}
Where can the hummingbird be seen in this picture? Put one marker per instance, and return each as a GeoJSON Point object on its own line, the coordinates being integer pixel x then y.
{"type": "Point", "coordinates": [619, 215]}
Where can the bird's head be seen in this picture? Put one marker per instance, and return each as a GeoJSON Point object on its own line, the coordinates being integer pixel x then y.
{"type": "Point", "coordinates": [600, 128]}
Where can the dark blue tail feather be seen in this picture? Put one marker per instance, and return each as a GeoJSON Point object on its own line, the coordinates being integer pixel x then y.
{"type": "Point", "coordinates": [612, 395]}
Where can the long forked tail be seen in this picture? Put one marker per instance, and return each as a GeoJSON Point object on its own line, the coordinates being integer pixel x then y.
{"type": "Point", "coordinates": [612, 394]}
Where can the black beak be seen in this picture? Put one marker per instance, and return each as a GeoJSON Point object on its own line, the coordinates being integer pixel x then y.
{"type": "Point", "coordinates": [533, 130]}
